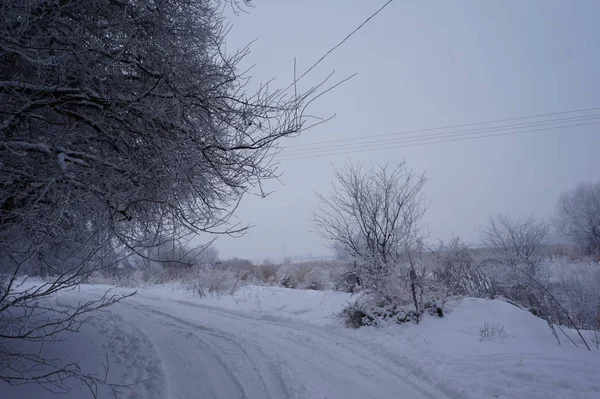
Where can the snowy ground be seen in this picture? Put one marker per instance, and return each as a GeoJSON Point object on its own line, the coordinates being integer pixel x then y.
{"type": "Point", "coordinates": [269, 342]}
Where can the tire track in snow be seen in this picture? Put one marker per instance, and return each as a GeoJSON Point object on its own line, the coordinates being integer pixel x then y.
{"type": "Point", "coordinates": [226, 350]}
{"type": "Point", "coordinates": [315, 350]}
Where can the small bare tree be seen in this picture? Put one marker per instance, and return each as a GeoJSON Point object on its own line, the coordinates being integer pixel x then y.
{"type": "Point", "coordinates": [520, 247]}
{"type": "Point", "coordinates": [373, 214]}
{"type": "Point", "coordinates": [517, 243]}
{"type": "Point", "coordinates": [457, 270]}
{"type": "Point", "coordinates": [209, 256]}
{"type": "Point", "coordinates": [579, 216]}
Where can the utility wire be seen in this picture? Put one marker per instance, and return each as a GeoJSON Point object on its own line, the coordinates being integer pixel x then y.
{"type": "Point", "coordinates": [447, 127]}
{"type": "Point", "coordinates": [396, 140]}
{"type": "Point", "coordinates": [436, 142]}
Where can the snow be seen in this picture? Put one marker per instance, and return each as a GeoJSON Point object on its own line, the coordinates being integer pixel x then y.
{"type": "Point", "coordinates": [270, 302]}
{"type": "Point", "coordinates": [271, 342]}
{"type": "Point", "coordinates": [526, 362]}
{"type": "Point", "coordinates": [29, 146]}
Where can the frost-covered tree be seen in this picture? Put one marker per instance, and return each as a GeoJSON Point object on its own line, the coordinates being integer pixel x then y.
{"type": "Point", "coordinates": [515, 267]}
{"type": "Point", "coordinates": [208, 256]}
{"type": "Point", "coordinates": [517, 243]}
{"type": "Point", "coordinates": [373, 214]}
{"type": "Point", "coordinates": [457, 269]}
{"type": "Point", "coordinates": [123, 119]}
{"type": "Point", "coordinates": [123, 124]}
{"type": "Point", "coordinates": [579, 216]}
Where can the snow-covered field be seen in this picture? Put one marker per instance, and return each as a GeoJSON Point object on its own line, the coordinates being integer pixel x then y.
{"type": "Point", "coordinates": [271, 342]}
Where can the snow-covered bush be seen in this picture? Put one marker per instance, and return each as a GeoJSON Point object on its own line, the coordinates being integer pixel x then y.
{"type": "Point", "coordinates": [579, 216]}
{"type": "Point", "coordinates": [306, 276]}
{"type": "Point", "coordinates": [576, 285]}
{"type": "Point", "coordinates": [411, 288]}
{"type": "Point", "coordinates": [373, 215]}
{"type": "Point", "coordinates": [287, 282]}
{"type": "Point", "coordinates": [455, 268]}
{"type": "Point", "coordinates": [347, 281]}
{"type": "Point", "coordinates": [353, 315]}
{"type": "Point", "coordinates": [401, 298]}
{"type": "Point", "coordinates": [515, 264]}
{"type": "Point", "coordinates": [518, 244]}
{"type": "Point", "coordinates": [215, 282]}
{"type": "Point", "coordinates": [265, 273]}
{"type": "Point", "coordinates": [367, 312]}
{"type": "Point", "coordinates": [561, 291]}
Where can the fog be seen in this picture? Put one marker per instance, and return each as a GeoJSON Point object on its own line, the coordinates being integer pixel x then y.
{"type": "Point", "coordinates": [422, 65]}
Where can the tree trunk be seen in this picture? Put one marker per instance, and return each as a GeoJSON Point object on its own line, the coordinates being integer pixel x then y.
{"type": "Point", "coordinates": [413, 289]}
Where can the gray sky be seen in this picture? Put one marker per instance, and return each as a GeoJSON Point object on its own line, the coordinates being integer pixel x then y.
{"type": "Point", "coordinates": [419, 65]}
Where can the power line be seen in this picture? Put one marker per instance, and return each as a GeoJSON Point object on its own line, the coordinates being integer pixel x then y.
{"type": "Point", "coordinates": [309, 156]}
{"type": "Point", "coordinates": [448, 127]}
{"type": "Point", "coordinates": [396, 140]}
{"type": "Point", "coordinates": [317, 149]}
{"type": "Point", "coordinates": [437, 142]}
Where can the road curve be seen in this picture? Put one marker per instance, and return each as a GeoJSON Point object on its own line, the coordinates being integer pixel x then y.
{"type": "Point", "coordinates": [183, 349]}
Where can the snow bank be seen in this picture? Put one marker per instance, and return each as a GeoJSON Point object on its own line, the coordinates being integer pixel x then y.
{"type": "Point", "coordinates": [524, 361]}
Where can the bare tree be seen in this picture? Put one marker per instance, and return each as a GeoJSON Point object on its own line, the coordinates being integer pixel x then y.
{"type": "Point", "coordinates": [209, 256]}
{"type": "Point", "coordinates": [127, 117]}
{"type": "Point", "coordinates": [373, 215]}
{"type": "Point", "coordinates": [123, 126]}
{"type": "Point", "coordinates": [579, 216]}
{"type": "Point", "coordinates": [458, 270]}
{"type": "Point", "coordinates": [517, 243]}
{"type": "Point", "coordinates": [520, 246]}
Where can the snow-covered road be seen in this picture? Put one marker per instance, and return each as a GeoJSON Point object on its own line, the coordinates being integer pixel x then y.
{"type": "Point", "coordinates": [203, 352]}
{"type": "Point", "coordinates": [271, 342]}
{"type": "Point", "coordinates": [183, 349]}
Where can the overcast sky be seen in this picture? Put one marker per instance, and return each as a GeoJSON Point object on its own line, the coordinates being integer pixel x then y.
{"type": "Point", "coordinates": [421, 65]}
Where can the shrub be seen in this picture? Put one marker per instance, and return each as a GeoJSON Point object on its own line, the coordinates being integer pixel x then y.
{"type": "Point", "coordinates": [353, 315]}
{"type": "Point", "coordinates": [314, 285]}
{"type": "Point", "coordinates": [214, 282]}
{"type": "Point", "coordinates": [367, 312]}
{"type": "Point", "coordinates": [287, 282]}
{"type": "Point", "coordinates": [576, 285]}
{"type": "Point", "coordinates": [266, 273]}
{"type": "Point", "coordinates": [491, 331]}
{"type": "Point", "coordinates": [306, 276]}
{"type": "Point", "coordinates": [457, 270]}
{"type": "Point", "coordinates": [347, 282]}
